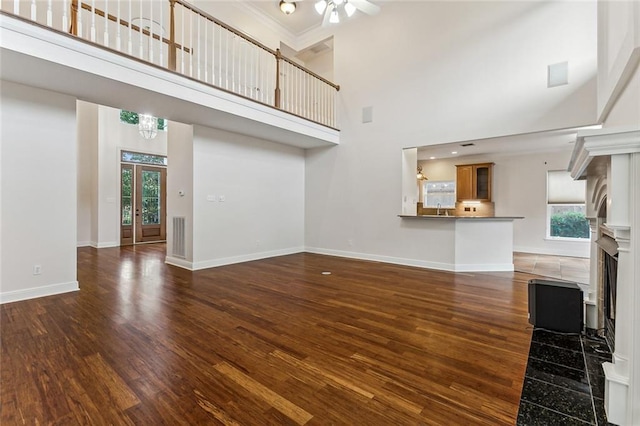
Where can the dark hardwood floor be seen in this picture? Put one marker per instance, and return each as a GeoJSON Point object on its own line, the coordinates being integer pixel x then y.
{"type": "Point", "coordinates": [267, 342]}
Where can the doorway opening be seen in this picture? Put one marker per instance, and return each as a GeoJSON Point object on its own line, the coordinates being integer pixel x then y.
{"type": "Point", "coordinates": [143, 195]}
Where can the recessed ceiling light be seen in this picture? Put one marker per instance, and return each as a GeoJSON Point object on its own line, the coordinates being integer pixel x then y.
{"type": "Point", "coordinates": [454, 152]}
{"type": "Point", "coordinates": [432, 158]}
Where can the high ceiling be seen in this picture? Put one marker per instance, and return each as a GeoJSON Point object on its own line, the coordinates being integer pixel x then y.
{"type": "Point", "coordinates": [556, 140]}
{"type": "Point", "coordinates": [303, 19]}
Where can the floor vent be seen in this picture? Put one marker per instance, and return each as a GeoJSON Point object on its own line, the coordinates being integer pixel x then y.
{"type": "Point", "coordinates": [179, 236]}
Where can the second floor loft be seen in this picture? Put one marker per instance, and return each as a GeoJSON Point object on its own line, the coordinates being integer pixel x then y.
{"type": "Point", "coordinates": [174, 42]}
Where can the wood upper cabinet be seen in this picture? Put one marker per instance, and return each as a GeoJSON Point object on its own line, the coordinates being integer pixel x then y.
{"type": "Point", "coordinates": [473, 181]}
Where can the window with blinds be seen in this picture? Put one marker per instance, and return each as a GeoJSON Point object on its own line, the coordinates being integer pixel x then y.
{"type": "Point", "coordinates": [566, 210]}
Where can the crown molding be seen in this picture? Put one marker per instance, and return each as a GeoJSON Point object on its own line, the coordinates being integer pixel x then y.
{"type": "Point", "coordinates": [285, 35]}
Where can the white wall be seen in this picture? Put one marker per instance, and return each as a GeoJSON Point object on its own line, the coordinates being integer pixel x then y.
{"type": "Point", "coordinates": [322, 64]}
{"type": "Point", "coordinates": [626, 109]}
{"type": "Point", "coordinates": [437, 72]}
{"type": "Point", "coordinates": [519, 189]}
{"type": "Point", "coordinates": [263, 187]}
{"type": "Point", "coordinates": [87, 124]}
{"type": "Point", "coordinates": [410, 191]}
{"type": "Point", "coordinates": [38, 192]}
{"type": "Point", "coordinates": [103, 137]}
{"type": "Point", "coordinates": [180, 178]}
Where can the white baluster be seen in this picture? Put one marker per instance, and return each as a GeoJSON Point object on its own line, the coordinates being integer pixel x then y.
{"type": "Point", "coordinates": [199, 37]}
{"type": "Point", "coordinates": [182, 51]}
{"type": "Point", "coordinates": [16, 7]}
{"type": "Point", "coordinates": [105, 36]}
{"type": "Point", "coordinates": [33, 10]}
{"type": "Point", "coordinates": [140, 35]}
{"type": "Point", "coordinates": [93, 20]}
{"type": "Point", "coordinates": [191, 44]}
{"type": "Point", "coordinates": [118, 30]}
{"type": "Point", "coordinates": [80, 34]}
{"type": "Point", "coordinates": [130, 41]}
{"type": "Point", "coordinates": [65, 19]}
{"type": "Point", "coordinates": [227, 67]}
{"type": "Point", "coordinates": [220, 51]}
{"type": "Point", "coordinates": [206, 52]}
{"type": "Point", "coordinates": [162, 32]}
{"type": "Point", "coordinates": [49, 14]}
{"type": "Point", "coordinates": [213, 53]}
{"type": "Point", "coordinates": [151, 44]}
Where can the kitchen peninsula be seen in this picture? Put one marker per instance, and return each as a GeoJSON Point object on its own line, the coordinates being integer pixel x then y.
{"type": "Point", "coordinates": [468, 243]}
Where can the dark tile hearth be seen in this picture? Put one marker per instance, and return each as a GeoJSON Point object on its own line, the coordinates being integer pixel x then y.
{"type": "Point", "coordinates": [564, 381]}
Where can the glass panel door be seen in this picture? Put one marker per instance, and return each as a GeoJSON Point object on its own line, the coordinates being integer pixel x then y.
{"type": "Point", "coordinates": [142, 204]}
{"type": "Point", "coordinates": [150, 203]}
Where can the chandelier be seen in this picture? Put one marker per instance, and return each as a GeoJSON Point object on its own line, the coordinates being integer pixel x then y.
{"type": "Point", "coordinates": [147, 126]}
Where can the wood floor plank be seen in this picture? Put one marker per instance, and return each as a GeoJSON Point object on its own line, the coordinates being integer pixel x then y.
{"type": "Point", "coordinates": [287, 408]}
{"type": "Point", "coordinates": [266, 342]}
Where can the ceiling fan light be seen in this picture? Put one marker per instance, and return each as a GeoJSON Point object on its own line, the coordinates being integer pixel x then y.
{"type": "Point", "coordinates": [334, 18]}
{"type": "Point", "coordinates": [350, 9]}
{"type": "Point", "coordinates": [321, 6]}
{"type": "Point", "coordinates": [287, 7]}
{"type": "Point", "coordinates": [338, 2]}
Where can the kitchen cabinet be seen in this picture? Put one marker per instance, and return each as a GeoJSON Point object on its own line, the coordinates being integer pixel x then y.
{"type": "Point", "coordinates": [473, 181]}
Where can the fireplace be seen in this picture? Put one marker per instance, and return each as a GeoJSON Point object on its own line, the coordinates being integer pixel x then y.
{"type": "Point", "coordinates": [609, 158]}
{"type": "Point", "coordinates": [608, 277]}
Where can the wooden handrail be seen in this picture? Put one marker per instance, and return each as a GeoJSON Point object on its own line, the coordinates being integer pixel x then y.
{"type": "Point", "coordinates": [126, 24]}
{"type": "Point", "coordinates": [301, 68]}
{"type": "Point", "coordinates": [275, 53]}
{"type": "Point", "coordinates": [225, 26]}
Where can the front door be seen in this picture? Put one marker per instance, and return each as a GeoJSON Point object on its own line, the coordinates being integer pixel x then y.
{"type": "Point", "coordinates": [150, 205]}
{"type": "Point", "coordinates": [143, 204]}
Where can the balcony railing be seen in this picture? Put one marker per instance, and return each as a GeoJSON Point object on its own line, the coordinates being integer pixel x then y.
{"type": "Point", "coordinates": [182, 38]}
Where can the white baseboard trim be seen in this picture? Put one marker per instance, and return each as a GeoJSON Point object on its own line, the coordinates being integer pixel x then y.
{"type": "Point", "coordinates": [553, 252]}
{"type": "Point", "coordinates": [32, 293]}
{"type": "Point", "coordinates": [385, 259]}
{"type": "Point", "coordinates": [492, 267]}
{"type": "Point", "coordinates": [180, 263]}
{"type": "Point", "coordinates": [213, 263]}
{"type": "Point", "coordinates": [104, 245]}
{"type": "Point", "coordinates": [83, 244]}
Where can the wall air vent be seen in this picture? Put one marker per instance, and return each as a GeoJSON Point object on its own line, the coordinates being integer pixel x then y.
{"type": "Point", "coordinates": [179, 242]}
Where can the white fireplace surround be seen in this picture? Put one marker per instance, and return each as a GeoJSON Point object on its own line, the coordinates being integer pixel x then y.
{"type": "Point", "coordinates": [609, 159]}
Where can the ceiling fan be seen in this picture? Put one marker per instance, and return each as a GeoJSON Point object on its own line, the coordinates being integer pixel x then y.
{"type": "Point", "coordinates": [333, 9]}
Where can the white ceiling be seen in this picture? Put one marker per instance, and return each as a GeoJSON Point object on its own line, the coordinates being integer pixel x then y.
{"type": "Point", "coordinates": [304, 19]}
{"type": "Point", "coordinates": [555, 140]}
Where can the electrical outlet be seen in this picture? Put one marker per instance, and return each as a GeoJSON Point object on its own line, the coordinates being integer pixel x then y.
{"type": "Point", "coordinates": [257, 243]}
{"type": "Point", "coordinates": [37, 269]}
{"type": "Point", "coordinates": [222, 198]}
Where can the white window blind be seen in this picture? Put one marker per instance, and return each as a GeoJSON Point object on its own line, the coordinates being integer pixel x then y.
{"type": "Point", "coordinates": [562, 189]}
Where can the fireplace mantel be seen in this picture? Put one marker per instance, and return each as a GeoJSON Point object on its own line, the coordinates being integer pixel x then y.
{"type": "Point", "coordinates": [609, 158]}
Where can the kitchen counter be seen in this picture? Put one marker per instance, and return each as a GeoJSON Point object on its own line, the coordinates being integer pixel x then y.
{"type": "Point", "coordinates": [465, 243]}
{"type": "Point", "coordinates": [433, 216]}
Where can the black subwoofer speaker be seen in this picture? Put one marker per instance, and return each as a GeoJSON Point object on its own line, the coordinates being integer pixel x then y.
{"type": "Point", "coordinates": [555, 305]}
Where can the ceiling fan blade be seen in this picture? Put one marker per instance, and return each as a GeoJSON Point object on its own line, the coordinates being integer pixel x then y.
{"type": "Point", "coordinates": [327, 16]}
{"type": "Point", "coordinates": [365, 6]}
